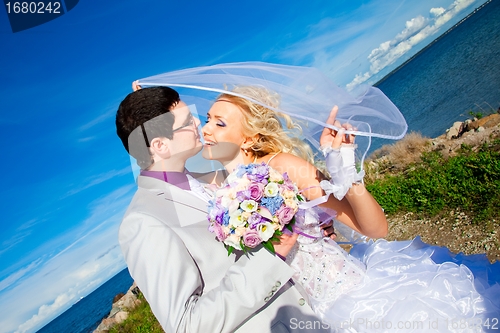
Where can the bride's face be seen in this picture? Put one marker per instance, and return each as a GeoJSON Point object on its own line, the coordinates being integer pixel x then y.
{"type": "Point", "coordinates": [223, 132]}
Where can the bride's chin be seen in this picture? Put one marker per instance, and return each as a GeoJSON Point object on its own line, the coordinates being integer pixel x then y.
{"type": "Point", "coordinates": [208, 153]}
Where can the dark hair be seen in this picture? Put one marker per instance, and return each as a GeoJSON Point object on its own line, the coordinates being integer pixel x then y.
{"type": "Point", "coordinates": [138, 120]}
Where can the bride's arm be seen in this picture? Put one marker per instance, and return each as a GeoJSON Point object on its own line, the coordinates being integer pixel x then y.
{"type": "Point", "coordinates": [358, 209]}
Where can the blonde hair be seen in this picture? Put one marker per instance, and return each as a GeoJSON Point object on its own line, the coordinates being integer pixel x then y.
{"type": "Point", "coordinates": [265, 124]}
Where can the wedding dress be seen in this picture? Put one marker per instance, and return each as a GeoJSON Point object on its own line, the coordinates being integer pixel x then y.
{"type": "Point", "coordinates": [401, 286]}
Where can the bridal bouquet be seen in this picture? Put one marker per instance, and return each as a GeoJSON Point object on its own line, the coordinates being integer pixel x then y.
{"type": "Point", "coordinates": [253, 208]}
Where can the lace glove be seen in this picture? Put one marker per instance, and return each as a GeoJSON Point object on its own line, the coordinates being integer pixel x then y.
{"type": "Point", "coordinates": [340, 163]}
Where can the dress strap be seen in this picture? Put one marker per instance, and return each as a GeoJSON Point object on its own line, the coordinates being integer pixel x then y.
{"type": "Point", "coordinates": [269, 160]}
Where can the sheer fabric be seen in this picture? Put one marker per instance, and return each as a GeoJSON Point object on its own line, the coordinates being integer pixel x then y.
{"type": "Point", "coordinates": [406, 286]}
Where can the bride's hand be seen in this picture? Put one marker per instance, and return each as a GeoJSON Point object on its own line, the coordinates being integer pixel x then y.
{"type": "Point", "coordinates": [332, 138]}
{"type": "Point", "coordinates": [286, 243]}
{"type": "Point", "coordinates": [135, 85]}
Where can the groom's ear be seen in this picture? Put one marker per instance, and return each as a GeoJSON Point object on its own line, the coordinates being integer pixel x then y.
{"type": "Point", "coordinates": [160, 147]}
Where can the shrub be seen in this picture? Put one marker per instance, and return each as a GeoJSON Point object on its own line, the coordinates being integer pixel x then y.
{"type": "Point", "coordinates": [470, 181]}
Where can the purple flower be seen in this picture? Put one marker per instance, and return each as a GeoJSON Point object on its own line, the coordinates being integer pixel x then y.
{"type": "Point", "coordinates": [242, 196]}
{"type": "Point", "coordinates": [216, 213]}
{"type": "Point", "coordinates": [287, 182]}
{"type": "Point", "coordinates": [258, 173]}
{"type": "Point", "coordinates": [285, 214]}
{"type": "Point", "coordinates": [251, 238]}
{"type": "Point", "coordinates": [254, 220]}
{"type": "Point", "coordinates": [255, 191]}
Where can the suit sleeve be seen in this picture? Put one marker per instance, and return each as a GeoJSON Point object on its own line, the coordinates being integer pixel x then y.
{"type": "Point", "coordinates": [171, 282]}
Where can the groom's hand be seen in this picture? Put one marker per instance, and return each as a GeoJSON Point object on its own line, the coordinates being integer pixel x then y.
{"type": "Point", "coordinates": [286, 243]}
{"type": "Point", "coordinates": [329, 230]}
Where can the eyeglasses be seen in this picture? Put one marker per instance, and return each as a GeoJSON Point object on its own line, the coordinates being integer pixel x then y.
{"type": "Point", "coordinates": [190, 123]}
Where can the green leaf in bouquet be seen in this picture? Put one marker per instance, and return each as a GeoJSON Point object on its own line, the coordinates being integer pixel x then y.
{"type": "Point", "coordinates": [243, 246]}
{"type": "Point", "coordinates": [289, 226]}
{"type": "Point", "coordinates": [274, 239]}
{"type": "Point", "coordinates": [269, 246]}
{"type": "Point", "coordinates": [299, 197]}
{"type": "Point", "coordinates": [230, 250]}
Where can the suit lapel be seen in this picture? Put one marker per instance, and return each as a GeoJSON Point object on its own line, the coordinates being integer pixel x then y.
{"type": "Point", "coordinates": [184, 201]}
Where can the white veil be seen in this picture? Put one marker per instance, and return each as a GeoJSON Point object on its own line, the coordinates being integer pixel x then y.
{"type": "Point", "coordinates": [305, 94]}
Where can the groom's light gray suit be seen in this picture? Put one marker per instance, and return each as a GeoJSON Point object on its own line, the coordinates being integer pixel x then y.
{"type": "Point", "coordinates": [189, 280]}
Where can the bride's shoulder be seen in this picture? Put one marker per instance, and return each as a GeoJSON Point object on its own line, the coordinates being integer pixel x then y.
{"type": "Point", "coordinates": [287, 160]}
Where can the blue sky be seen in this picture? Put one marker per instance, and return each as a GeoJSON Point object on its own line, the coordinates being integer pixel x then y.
{"type": "Point", "coordinates": [68, 180]}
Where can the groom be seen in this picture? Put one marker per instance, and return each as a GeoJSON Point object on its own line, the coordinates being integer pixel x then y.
{"type": "Point", "coordinates": [186, 276]}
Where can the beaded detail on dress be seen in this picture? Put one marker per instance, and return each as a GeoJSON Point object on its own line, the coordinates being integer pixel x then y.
{"type": "Point", "coordinates": [321, 266]}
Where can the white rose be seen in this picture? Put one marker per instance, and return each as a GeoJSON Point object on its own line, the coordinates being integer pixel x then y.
{"type": "Point", "coordinates": [291, 203]}
{"type": "Point", "coordinates": [287, 194]}
{"type": "Point", "coordinates": [240, 231]}
{"type": "Point", "coordinates": [231, 178]}
{"type": "Point", "coordinates": [274, 175]}
{"type": "Point", "coordinates": [242, 184]}
{"type": "Point", "coordinates": [246, 215]}
{"type": "Point", "coordinates": [234, 241]}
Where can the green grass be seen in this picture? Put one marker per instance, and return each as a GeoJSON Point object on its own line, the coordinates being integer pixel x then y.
{"type": "Point", "coordinates": [469, 181]}
{"type": "Point", "coordinates": [140, 320]}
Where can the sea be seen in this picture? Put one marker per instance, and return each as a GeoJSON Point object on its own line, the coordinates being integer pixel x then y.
{"type": "Point", "coordinates": [85, 315]}
{"type": "Point", "coordinates": [457, 74]}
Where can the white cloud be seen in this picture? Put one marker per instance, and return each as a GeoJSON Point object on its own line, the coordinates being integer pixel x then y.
{"type": "Point", "coordinates": [343, 45]}
{"type": "Point", "coordinates": [96, 180]}
{"type": "Point", "coordinates": [62, 281]}
{"type": "Point", "coordinates": [14, 240]}
{"type": "Point", "coordinates": [437, 11]}
{"type": "Point", "coordinates": [38, 292]}
{"type": "Point", "coordinates": [46, 311]}
{"type": "Point", "coordinates": [12, 278]}
{"type": "Point", "coordinates": [416, 30]}
{"type": "Point", "coordinates": [108, 113]}
{"type": "Point", "coordinates": [87, 139]}
{"type": "Point", "coordinates": [324, 35]}
{"type": "Point", "coordinates": [412, 26]}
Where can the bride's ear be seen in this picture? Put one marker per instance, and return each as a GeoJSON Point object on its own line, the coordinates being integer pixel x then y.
{"type": "Point", "coordinates": [160, 148]}
{"type": "Point", "coordinates": [249, 142]}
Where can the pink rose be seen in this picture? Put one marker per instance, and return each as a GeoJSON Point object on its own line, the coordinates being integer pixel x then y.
{"type": "Point", "coordinates": [251, 238]}
{"type": "Point", "coordinates": [255, 191]}
{"type": "Point", "coordinates": [285, 214]}
{"type": "Point", "coordinates": [216, 228]}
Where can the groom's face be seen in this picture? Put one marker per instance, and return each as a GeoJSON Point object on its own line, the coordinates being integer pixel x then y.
{"type": "Point", "coordinates": [186, 138]}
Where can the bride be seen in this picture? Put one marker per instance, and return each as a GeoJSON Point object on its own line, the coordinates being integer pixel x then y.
{"type": "Point", "coordinates": [385, 286]}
